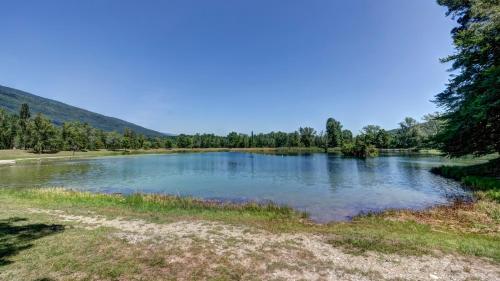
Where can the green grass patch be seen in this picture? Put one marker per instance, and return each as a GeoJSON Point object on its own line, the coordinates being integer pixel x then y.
{"type": "Point", "coordinates": [153, 203]}
{"type": "Point", "coordinates": [384, 232]}
{"type": "Point", "coordinates": [483, 177]}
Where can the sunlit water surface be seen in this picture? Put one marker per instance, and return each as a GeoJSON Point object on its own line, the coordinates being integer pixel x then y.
{"type": "Point", "coordinates": [328, 187]}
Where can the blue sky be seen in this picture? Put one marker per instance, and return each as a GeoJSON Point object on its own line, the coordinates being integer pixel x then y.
{"type": "Point", "coordinates": [218, 66]}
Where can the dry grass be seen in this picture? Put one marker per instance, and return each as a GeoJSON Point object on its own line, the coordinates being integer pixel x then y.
{"type": "Point", "coordinates": [470, 217]}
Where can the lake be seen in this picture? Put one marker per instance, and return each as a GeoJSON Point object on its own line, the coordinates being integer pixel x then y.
{"type": "Point", "coordinates": [329, 187]}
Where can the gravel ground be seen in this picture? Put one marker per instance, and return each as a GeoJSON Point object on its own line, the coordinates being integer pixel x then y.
{"type": "Point", "coordinates": [270, 256]}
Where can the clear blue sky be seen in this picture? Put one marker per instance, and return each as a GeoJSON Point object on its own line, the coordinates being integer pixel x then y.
{"type": "Point", "coordinates": [218, 66]}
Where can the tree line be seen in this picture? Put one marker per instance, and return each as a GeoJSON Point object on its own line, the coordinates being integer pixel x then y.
{"type": "Point", "coordinates": [39, 134]}
{"type": "Point", "coordinates": [411, 134]}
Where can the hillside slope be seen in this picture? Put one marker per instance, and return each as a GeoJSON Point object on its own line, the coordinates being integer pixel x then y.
{"type": "Point", "coordinates": [11, 100]}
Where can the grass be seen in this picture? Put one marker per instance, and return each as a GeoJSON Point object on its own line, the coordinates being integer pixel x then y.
{"type": "Point", "coordinates": [172, 206]}
{"type": "Point", "coordinates": [459, 229]}
{"type": "Point", "coordinates": [38, 245]}
{"type": "Point", "coordinates": [465, 229]}
{"type": "Point", "coordinates": [483, 178]}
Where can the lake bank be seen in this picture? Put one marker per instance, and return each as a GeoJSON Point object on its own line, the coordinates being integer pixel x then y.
{"type": "Point", "coordinates": [26, 156]}
{"type": "Point", "coordinates": [327, 186]}
{"type": "Point", "coordinates": [192, 239]}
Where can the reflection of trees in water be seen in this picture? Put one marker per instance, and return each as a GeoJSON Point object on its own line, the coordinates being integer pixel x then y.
{"type": "Point", "coordinates": [334, 171]}
{"type": "Point", "coordinates": [347, 172]}
{"type": "Point", "coordinates": [41, 173]}
{"type": "Point", "coordinates": [306, 168]}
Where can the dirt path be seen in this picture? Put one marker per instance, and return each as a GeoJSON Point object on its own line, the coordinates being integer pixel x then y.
{"type": "Point", "coordinates": [282, 256]}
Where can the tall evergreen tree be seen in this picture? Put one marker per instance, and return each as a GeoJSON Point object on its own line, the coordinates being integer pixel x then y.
{"type": "Point", "coordinates": [24, 112]}
{"type": "Point", "coordinates": [472, 97]}
{"type": "Point", "coordinates": [24, 116]}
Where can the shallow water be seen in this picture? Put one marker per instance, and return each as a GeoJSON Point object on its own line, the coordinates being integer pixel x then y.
{"type": "Point", "coordinates": [328, 187]}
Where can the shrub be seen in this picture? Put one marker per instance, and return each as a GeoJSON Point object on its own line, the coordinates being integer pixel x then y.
{"type": "Point", "coordinates": [359, 149]}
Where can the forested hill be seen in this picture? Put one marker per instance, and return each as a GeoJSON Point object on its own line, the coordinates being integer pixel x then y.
{"type": "Point", "coordinates": [11, 100]}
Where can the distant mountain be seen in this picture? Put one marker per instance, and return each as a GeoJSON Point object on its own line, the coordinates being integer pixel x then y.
{"type": "Point", "coordinates": [11, 100]}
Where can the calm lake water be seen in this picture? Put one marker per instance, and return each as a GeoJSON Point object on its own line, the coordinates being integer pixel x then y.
{"type": "Point", "coordinates": [328, 187]}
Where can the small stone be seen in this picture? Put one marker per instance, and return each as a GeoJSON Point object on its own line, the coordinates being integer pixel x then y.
{"type": "Point", "coordinates": [433, 277]}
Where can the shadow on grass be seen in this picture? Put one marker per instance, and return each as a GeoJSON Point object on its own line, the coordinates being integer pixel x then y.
{"type": "Point", "coordinates": [16, 235]}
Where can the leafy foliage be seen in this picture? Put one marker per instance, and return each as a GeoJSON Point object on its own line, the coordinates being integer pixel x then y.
{"type": "Point", "coordinates": [43, 135]}
{"type": "Point", "coordinates": [333, 132]}
{"type": "Point", "coordinates": [472, 97]}
{"type": "Point", "coordinates": [359, 148]}
{"type": "Point", "coordinates": [307, 136]}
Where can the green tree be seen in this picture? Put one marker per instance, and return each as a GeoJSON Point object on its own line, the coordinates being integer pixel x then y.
{"type": "Point", "coordinates": [369, 134]}
{"type": "Point", "coordinates": [233, 139]}
{"type": "Point", "coordinates": [383, 139]}
{"type": "Point", "coordinates": [294, 139]}
{"type": "Point", "coordinates": [168, 144]}
{"type": "Point", "coordinates": [280, 139]}
{"type": "Point", "coordinates": [346, 136]}
{"type": "Point", "coordinates": [307, 136]}
{"type": "Point", "coordinates": [359, 148]}
{"type": "Point", "coordinates": [114, 141]}
{"type": "Point", "coordinates": [430, 128]}
{"type": "Point", "coordinates": [409, 134]}
{"type": "Point", "coordinates": [8, 130]}
{"type": "Point", "coordinates": [44, 136]}
{"type": "Point", "coordinates": [74, 136]}
{"type": "Point", "coordinates": [24, 116]}
{"type": "Point", "coordinates": [472, 97]}
{"type": "Point", "coordinates": [321, 140]}
{"type": "Point", "coordinates": [130, 139]}
{"type": "Point", "coordinates": [184, 141]}
{"type": "Point", "coordinates": [333, 132]}
{"type": "Point", "coordinates": [100, 138]}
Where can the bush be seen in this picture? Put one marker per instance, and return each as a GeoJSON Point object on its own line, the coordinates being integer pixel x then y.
{"type": "Point", "coordinates": [359, 149]}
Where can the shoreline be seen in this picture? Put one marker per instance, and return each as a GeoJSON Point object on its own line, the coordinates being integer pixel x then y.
{"type": "Point", "coordinates": [262, 214]}
{"type": "Point", "coordinates": [148, 236]}
{"type": "Point", "coordinates": [14, 156]}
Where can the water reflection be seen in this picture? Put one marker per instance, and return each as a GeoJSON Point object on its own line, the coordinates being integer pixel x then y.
{"type": "Point", "coordinates": [329, 187]}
